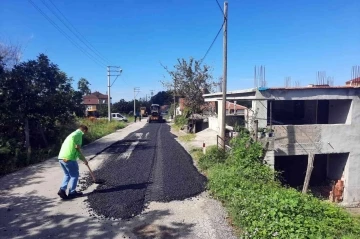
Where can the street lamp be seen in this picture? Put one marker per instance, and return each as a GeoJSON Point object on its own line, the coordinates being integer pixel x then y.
{"type": "Point", "coordinates": [117, 71]}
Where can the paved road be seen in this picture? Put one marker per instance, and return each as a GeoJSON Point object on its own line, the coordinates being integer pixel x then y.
{"type": "Point", "coordinates": [148, 165]}
{"type": "Point", "coordinates": [144, 180]}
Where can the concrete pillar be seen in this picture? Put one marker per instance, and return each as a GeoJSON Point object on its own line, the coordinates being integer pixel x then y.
{"type": "Point", "coordinates": [219, 115]}
{"type": "Point", "coordinates": [258, 112]}
{"type": "Point", "coordinates": [260, 108]}
{"type": "Point", "coordinates": [270, 158]}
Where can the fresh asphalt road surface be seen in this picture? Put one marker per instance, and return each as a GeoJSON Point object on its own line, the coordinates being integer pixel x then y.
{"type": "Point", "coordinates": [148, 165]}
{"type": "Point", "coordinates": [151, 182]}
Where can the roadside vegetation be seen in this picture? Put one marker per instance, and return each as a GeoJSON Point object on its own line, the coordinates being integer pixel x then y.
{"type": "Point", "coordinates": [12, 159]}
{"type": "Point", "coordinates": [38, 108]}
{"type": "Point", "coordinates": [187, 137]}
{"type": "Point", "coordinates": [99, 128]}
{"type": "Point", "coordinates": [179, 121]}
{"type": "Point", "coordinates": [260, 207]}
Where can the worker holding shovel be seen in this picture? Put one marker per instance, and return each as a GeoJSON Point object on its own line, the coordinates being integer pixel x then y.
{"type": "Point", "coordinates": [70, 151]}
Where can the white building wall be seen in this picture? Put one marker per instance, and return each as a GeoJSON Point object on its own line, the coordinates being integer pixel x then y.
{"type": "Point", "coordinates": [214, 123]}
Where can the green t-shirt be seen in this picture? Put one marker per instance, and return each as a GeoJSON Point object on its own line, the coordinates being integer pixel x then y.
{"type": "Point", "coordinates": [68, 150]}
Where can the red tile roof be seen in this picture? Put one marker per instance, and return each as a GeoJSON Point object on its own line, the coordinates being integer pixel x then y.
{"type": "Point", "coordinates": [95, 95]}
{"type": "Point", "coordinates": [230, 105]}
{"type": "Point", "coordinates": [95, 98]}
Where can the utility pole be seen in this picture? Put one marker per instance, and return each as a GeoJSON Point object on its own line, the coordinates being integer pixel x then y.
{"type": "Point", "coordinates": [136, 90]}
{"type": "Point", "coordinates": [174, 98]}
{"type": "Point", "coordinates": [118, 70]}
{"type": "Point", "coordinates": [109, 103]}
{"type": "Point", "coordinates": [223, 113]}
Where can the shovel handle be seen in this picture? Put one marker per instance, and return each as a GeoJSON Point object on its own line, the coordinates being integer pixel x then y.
{"type": "Point", "coordinates": [92, 174]}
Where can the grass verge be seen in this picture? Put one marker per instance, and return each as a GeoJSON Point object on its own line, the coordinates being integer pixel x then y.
{"type": "Point", "coordinates": [187, 137]}
{"type": "Point", "coordinates": [260, 207]}
{"type": "Point", "coordinates": [97, 129]}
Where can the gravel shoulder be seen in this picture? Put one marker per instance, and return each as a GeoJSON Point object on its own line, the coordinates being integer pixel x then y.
{"type": "Point", "coordinates": [30, 208]}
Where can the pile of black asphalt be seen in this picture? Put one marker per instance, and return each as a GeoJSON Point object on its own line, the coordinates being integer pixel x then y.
{"type": "Point", "coordinates": [158, 169]}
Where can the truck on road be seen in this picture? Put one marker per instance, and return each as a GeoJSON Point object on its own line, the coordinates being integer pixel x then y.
{"type": "Point", "coordinates": [155, 115]}
{"type": "Point", "coordinates": [143, 112]}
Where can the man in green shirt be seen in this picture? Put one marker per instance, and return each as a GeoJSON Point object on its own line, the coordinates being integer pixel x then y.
{"type": "Point", "coordinates": [69, 153]}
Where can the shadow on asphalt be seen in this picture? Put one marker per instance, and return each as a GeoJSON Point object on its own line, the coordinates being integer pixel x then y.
{"type": "Point", "coordinates": [30, 217]}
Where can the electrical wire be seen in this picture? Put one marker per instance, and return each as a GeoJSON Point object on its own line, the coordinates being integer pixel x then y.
{"type": "Point", "coordinates": [82, 37]}
{"type": "Point", "coordinates": [59, 18]}
{"type": "Point", "coordinates": [66, 35]}
{"type": "Point", "coordinates": [222, 11]}
{"type": "Point", "coordinates": [208, 50]}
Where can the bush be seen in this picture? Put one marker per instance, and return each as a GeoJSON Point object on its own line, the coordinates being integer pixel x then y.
{"type": "Point", "coordinates": [99, 128]}
{"type": "Point", "coordinates": [261, 207]}
{"type": "Point", "coordinates": [13, 157]}
{"type": "Point", "coordinates": [213, 156]}
{"type": "Point", "coordinates": [180, 120]}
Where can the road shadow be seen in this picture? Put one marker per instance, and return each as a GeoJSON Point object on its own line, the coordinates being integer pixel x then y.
{"type": "Point", "coordinates": [175, 230]}
{"type": "Point", "coordinates": [33, 216]}
{"type": "Point", "coordinates": [26, 176]}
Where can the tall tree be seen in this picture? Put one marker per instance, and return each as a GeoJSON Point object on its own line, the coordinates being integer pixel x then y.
{"type": "Point", "coordinates": [162, 98]}
{"type": "Point", "coordinates": [83, 86]}
{"type": "Point", "coordinates": [10, 54]}
{"type": "Point", "coordinates": [37, 96]}
{"type": "Point", "coordinates": [191, 80]}
{"type": "Point", "coordinates": [123, 106]}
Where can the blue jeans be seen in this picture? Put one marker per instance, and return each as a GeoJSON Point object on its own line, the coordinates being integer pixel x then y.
{"type": "Point", "coordinates": [71, 171]}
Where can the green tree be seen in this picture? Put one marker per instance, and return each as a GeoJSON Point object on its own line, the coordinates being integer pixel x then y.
{"type": "Point", "coordinates": [10, 54]}
{"type": "Point", "coordinates": [191, 80]}
{"type": "Point", "coordinates": [36, 97]}
{"type": "Point", "coordinates": [83, 86]}
{"type": "Point", "coordinates": [122, 106]}
{"type": "Point", "coordinates": [162, 98]}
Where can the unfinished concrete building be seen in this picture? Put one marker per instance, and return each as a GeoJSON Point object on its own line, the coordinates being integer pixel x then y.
{"type": "Point", "coordinates": [319, 120]}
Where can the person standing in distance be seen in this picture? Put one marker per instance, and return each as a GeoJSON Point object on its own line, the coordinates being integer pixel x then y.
{"type": "Point", "coordinates": [70, 151]}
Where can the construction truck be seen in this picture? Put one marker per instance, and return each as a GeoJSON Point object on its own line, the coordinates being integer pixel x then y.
{"type": "Point", "coordinates": [143, 112]}
{"type": "Point", "coordinates": [155, 115]}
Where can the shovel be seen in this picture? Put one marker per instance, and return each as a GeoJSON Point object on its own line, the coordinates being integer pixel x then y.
{"type": "Point", "coordinates": [99, 181]}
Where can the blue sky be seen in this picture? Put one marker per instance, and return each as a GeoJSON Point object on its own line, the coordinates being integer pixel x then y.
{"type": "Point", "coordinates": [291, 38]}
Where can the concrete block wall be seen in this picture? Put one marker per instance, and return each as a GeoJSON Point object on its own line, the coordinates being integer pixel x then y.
{"type": "Point", "coordinates": [326, 139]}
{"type": "Point", "coordinates": [297, 139]}
{"type": "Point", "coordinates": [260, 109]}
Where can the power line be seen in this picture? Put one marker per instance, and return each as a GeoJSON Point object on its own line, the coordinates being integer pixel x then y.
{"type": "Point", "coordinates": [222, 11]}
{"type": "Point", "coordinates": [85, 41]}
{"type": "Point", "coordinates": [66, 35]}
{"type": "Point", "coordinates": [59, 18]}
{"type": "Point", "coordinates": [213, 42]}
{"type": "Point", "coordinates": [222, 25]}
